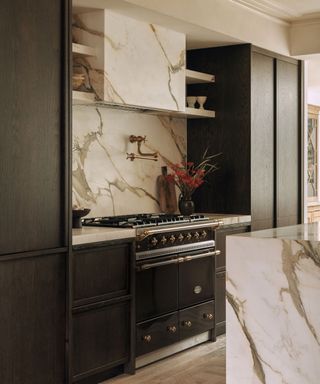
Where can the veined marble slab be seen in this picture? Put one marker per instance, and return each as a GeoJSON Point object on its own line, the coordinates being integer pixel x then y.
{"type": "Point", "coordinates": [103, 179]}
{"type": "Point", "coordinates": [137, 63]}
{"type": "Point", "coordinates": [86, 235]}
{"type": "Point", "coordinates": [273, 311]}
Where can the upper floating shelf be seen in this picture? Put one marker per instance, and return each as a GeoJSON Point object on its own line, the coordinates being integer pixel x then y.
{"type": "Point", "coordinates": [195, 77]}
{"type": "Point", "coordinates": [87, 98]}
{"type": "Point", "coordinates": [84, 50]}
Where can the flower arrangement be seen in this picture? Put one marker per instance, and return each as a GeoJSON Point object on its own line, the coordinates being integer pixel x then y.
{"type": "Point", "coordinates": [188, 177]}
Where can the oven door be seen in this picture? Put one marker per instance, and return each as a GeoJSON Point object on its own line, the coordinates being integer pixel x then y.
{"type": "Point", "coordinates": [196, 277]}
{"type": "Point", "coordinates": [156, 287]}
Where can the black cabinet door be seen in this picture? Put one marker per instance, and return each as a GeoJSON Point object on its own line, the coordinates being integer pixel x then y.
{"type": "Point", "coordinates": [196, 281]}
{"type": "Point", "coordinates": [32, 149]}
{"type": "Point", "coordinates": [220, 237]}
{"type": "Point", "coordinates": [100, 339]}
{"type": "Point", "coordinates": [262, 141]}
{"type": "Point", "coordinates": [288, 207]}
{"type": "Point", "coordinates": [101, 274]}
{"type": "Point", "coordinates": [32, 320]}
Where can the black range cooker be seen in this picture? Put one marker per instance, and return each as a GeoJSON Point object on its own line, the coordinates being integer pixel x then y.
{"type": "Point", "coordinates": [175, 264]}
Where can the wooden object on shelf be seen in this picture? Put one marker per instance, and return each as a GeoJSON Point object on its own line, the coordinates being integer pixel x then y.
{"type": "Point", "coordinates": [84, 50]}
{"type": "Point", "coordinates": [195, 77]}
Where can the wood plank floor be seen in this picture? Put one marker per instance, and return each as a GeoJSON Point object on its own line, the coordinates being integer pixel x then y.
{"type": "Point", "coordinates": [204, 364]}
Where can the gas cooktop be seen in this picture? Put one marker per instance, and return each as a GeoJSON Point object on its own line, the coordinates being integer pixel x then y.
{"type": "Point", "coordinates": [142, 220]}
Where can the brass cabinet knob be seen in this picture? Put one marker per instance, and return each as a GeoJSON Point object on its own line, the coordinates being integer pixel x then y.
{"type": "Point", "coordinates": [187, 323]}
{"type": "Point", "coordinates": [208, 316]}
{"type": "Point", "coordinates": [154, 241]}
{"type": "Point", "coordinates": [172, 329]}
{"type": "Point", "coordinates": [146, 338]}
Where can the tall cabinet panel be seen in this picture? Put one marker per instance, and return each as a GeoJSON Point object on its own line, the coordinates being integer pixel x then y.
{"type": "Point", "coordinates": [31, 126]}
{"type": "Point", "coordinates": [262, 141]}
{"type": "Point", "coordinates": [257, 129]}
{"type": "Point", "coordinates": [288, 144]}
{"type": "Point", "coordinates": [34, 190]}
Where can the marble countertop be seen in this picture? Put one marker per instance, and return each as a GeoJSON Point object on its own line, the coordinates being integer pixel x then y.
{"type": "Point", "coordinates": [307, 232]}
{"type": "Point", "coordinates": [87, 235]}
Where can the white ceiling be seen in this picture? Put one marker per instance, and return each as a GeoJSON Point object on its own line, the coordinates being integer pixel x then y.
{"type": "Point", "coordinates": [287, 10]}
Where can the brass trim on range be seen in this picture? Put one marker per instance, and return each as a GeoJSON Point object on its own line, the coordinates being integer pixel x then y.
{"type": "Point", "coordinates": [178, 260]}
{"type": "Point", "coordinates": [148, 232]}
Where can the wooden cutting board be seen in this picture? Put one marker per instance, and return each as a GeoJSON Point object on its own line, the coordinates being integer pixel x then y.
{"type": "Point", "coordinates": [166, 193]}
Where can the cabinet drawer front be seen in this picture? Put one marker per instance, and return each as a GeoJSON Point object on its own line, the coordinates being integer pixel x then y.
{"type": "Point", "coordinates": [100, 339]}
{"type": "Point", "coordinates": [157, 333]}
{"type": "Point", "coordinates": [196, 320]}
{"type": "Point", "coordinates": [196, 281]}
{"type": "Point", "coordinates": [101, 274]}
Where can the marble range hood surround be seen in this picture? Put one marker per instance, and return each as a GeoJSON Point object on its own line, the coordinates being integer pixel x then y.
{"type": "Point", "coordinates": [137, 63]}
{"type": "Point", "coordinates": [103, 179]}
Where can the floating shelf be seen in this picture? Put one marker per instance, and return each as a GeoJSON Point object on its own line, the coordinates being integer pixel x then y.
{"type": "Point", "coordinates": [195, 77]}
{"type": "Point", "coordinates": [83, 97]}
{"type": "Point", "coordinates": [84, 50]}
{"type": "Point", "coordinates": [194, 113]}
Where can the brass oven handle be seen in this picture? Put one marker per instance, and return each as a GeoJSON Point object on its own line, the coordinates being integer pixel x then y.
{"type": "Point", "coordinates": [143, 267]}
{"type": "Point", "coordinates": [187, 323]}
{"type": "Point", "coordinates": [146, 338]}
{"type": "Point", "coordinates": [149, 232]}
{"type": "Point", "coordinates": [172, 329]}
{"type": "Point", "coordinates": [208, 316]}
{"type": "Point", "coordinates": [201, 255]}
{"type": "Point", "coordinates": [178, 260]}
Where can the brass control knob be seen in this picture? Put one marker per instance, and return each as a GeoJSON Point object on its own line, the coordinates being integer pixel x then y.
{"type": "Point", "coordinates": [180, 237]}
{"type": "Point", "coordinates": [154, 241]}
{"type": "Point", "coordinates": [188, 237]}
{"type": "Point", "coordinates": [196, 235]}
{"type": "Point", "coordinates": [172, 329]}
{"type": "Point", "coordinates": [146, 338]}
{"type": "Point", "coordinates": [187, 323]}
{"type": "Point", "coordinates": [163, 240]}
{"type": "Point", "coordinates": [203, 234]}
{"type": "Point", "coordinates": [172, 239]}
{"type": "Point", "coordinates": [208, 316]}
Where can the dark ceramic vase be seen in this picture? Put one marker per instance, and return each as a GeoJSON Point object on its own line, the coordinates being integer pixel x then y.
{"type": "Point", "coordinates": [186, 207]}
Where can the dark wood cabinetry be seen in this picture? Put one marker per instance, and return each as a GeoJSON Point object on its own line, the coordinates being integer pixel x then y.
{"type": "Point", "coordinates": [220, 278]}
{"type": "Point", "coordinates": [103, 314]}
{"type": "Point", "coordinates": [34, 192]}
{"type": "Point", "coordinates": [257, 99]}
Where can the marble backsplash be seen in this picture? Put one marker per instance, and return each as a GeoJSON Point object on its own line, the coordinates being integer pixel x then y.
{"type": "Point", "coordinates": [103, 179]}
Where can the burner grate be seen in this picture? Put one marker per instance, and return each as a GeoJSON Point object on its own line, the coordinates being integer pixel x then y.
{"type": "Point", "coordinates": [141, 220]}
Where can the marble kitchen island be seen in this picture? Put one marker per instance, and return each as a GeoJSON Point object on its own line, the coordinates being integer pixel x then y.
{"type": "Point", "coordinates": [273, 311]}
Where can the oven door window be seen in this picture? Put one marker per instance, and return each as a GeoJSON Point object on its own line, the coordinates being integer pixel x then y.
{"type": "Point", "coordinates": [156, 291]}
